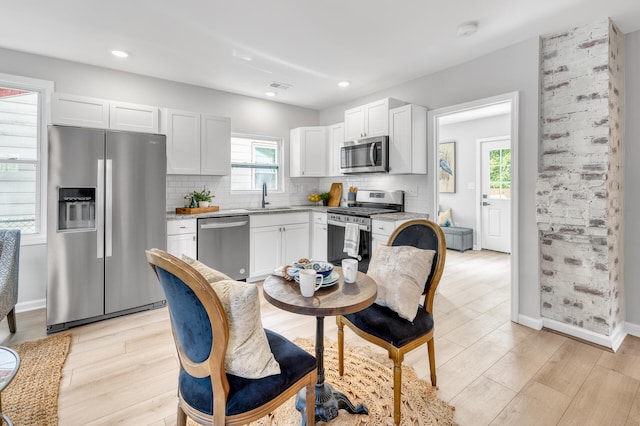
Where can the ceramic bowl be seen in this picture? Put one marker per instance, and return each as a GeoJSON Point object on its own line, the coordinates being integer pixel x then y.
{"type": "Point", "coordinates": [323, 268]}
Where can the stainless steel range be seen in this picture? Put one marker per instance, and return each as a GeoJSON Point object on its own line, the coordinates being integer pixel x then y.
{"type": "Point", "coordinates": [368, 204]}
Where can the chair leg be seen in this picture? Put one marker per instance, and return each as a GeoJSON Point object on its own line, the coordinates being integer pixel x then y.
{"type": "Point", "coordinates": [397, 389]}
{"type": "Point", "coordinates": [340, 345]}
{"type": "Point", "coordinates": [11, 319]}
{"type": "Point", "coordinates": [182, 417]}
{"type": "Point", "coordinates": [432, 361]}
{"type": "Point", "coordinates": [311, 404]}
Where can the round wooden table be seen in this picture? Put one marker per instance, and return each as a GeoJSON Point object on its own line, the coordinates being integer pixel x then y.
{"type": "Point", "coordinates": [337, 299]}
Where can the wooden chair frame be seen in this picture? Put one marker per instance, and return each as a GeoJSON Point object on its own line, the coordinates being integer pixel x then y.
{"type": "Point", "coordinates": [213, 366]}
{"type": "Point", "coordinates": [397, 353]}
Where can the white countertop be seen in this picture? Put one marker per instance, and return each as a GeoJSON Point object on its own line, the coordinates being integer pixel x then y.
{"type": "Point", "coordinates": [252, 211]}
{"type": "Point", "coordinates": [390, 217]}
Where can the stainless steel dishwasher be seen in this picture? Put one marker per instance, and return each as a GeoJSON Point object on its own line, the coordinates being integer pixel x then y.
{"type": "Point", "coordinates": [223, 244]}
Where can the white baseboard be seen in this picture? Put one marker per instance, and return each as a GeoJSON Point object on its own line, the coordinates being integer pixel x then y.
{"type": "Point", "coordinates": [632, 329]}
{"type": "Point", "coordinates": [614, 341]}
{"type": "Point", "coordinates": [535, 323]}
{"type": "Point", "coordinates": [31, 305]}
{"type": "Point", "coordinates": [617, 337]}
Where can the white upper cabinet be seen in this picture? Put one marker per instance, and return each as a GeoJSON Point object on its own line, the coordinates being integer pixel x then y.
{"type": "Point", "coordinates": [72, 110]}
{"type": "Point", "coordinates": [183, 142]}
{"type": "Point", "coordinates": [81, 111]}
{"type": "Point", "coordinates": [215, 145]}
{"type": "Point", "coordinates": [369, 120]}
{"type": "Point", "coordinates": [335, 135]}
{"type": "Point", "coordinates": [197, 144]}
{"type": "Point", "coordinates": [133, 117]}
{"type": "Point", "coordinates": [354, 124]}
{"type": "Point", "coordinates": [308, 152]}
{"type": "Point", "coordinates": [408, 140]}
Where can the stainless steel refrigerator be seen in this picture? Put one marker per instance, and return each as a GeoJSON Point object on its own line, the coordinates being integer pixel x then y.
{"type": "Point", "coordinates": [106, 206]}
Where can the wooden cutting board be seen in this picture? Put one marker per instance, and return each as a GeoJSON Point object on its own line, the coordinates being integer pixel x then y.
{"type": "Point", "coordinates": [335, 194]}
{"type": "Point", "coordinates": [196, 210]}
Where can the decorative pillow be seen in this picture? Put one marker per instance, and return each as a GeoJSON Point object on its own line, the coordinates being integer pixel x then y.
{"type": "Point", "coordinates": [248, 353]}
{"type": "Point", "coordinates": [209, 274]}
{"type": "Point", "coordinates": [445, 219]}
{"type": "Point", "coordinates": [401, 273]}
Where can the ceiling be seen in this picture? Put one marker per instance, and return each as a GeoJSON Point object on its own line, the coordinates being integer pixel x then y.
{"type": "Point", "coordinates": [242, 46]}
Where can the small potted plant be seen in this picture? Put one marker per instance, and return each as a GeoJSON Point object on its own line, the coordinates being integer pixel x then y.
{"type": "Point", "coordinates": [203, 198]}
{"type": "Point", "coordinates": [324, 197]}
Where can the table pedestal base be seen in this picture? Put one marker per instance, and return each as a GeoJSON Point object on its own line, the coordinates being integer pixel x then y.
{"type": "Point", "coordinates": [328, 402]}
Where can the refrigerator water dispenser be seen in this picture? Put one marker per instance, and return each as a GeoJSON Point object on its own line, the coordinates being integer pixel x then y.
{"type": "Point", "coordinates": [76, 209]}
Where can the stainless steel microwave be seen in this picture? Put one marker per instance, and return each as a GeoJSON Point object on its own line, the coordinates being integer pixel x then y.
{"type": "Point", "coordinates": [368, 155]}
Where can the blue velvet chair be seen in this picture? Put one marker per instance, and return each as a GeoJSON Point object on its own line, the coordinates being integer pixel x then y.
{"type": "Point", "coordinates": [383, 327]}
{"type": "Point", "coordinates": [206, 393]}
{"type": "Point", "coordinates": [9, 262]}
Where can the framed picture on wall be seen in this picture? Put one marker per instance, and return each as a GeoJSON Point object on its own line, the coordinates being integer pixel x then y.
{"type": "Point", "coordinates": [447, 167]}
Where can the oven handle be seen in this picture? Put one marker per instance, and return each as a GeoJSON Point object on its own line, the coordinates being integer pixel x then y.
{"type": "Point", "coordinates": [343, 225]}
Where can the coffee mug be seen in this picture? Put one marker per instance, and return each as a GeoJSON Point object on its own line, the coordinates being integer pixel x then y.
{"type": "Point", "coordinates": [308, 282]}
{"type": "Point", "coordinates": [349, 270]}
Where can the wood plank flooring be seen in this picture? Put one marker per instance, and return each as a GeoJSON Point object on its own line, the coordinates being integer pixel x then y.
{"type": "Point", "coordinates": [124, 370]}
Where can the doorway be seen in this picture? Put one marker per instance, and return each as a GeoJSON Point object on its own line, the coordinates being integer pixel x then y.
{"type": "Point", "coordinates": [491, 221]}
{"type": "Point", "coordinates": [494, 217]}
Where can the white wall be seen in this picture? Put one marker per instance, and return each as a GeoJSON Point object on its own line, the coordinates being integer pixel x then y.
{"type": "Point", "coordinates": [248, 115]}
{"type": "Point", "coordinates": [463, 202]}
{"type": "Point", "coordinates": [508, 70]}
{"type": "Point", "coordinates": [632, 178]}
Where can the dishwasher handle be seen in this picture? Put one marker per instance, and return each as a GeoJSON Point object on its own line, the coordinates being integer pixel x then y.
{"type": "Point", "coordinates": [214, 225]}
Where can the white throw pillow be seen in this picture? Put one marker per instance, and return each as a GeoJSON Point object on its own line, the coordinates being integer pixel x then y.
{"type": "Point", "coordinates": [209, 274]}
{"type": "Point", "coordinates": [445, 218]}
{"type": "Point", "coordinates": [248, 353]}
{"type": "Point", "coordinates": [401, 273]}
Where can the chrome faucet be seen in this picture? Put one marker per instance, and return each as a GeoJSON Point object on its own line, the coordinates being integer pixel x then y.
{"type": "Point", "coordinates": [264, 195]}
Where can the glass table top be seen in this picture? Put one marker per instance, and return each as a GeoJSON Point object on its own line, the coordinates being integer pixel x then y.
{"type": "Point", "coordinates": [9, 363]}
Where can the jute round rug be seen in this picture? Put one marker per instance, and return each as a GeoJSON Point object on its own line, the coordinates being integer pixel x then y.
{"type": "Point", "coordinates": [32, 396]}
{"type": "Point", "coordinates": [368, 378]}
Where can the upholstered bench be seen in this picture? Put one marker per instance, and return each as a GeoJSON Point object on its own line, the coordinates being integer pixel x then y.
{"type": "Point", "coordinates": [458, 238]}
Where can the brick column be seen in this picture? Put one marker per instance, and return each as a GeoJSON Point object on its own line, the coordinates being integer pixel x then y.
{"type": "Point", "coordinates": [579, 187]}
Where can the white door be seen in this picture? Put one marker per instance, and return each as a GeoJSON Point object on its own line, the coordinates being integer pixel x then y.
{"type": "Point", "coordinates": [496, 195]}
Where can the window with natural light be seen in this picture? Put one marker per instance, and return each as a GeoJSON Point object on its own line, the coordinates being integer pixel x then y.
{"type": "Point", "coordinates": [19, 159]}
{"type": "Point", "coordinates": [500, 173]}
{"type": "Point", "coordinates": [255, 160]}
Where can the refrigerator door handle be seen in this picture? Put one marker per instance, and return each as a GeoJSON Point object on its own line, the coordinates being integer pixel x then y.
{"type": "Point", "coordinates": [108, 225]}
{"type": "Point", "coordinates": [100, 210]}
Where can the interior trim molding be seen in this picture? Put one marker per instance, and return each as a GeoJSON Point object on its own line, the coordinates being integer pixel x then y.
{"type": "Point", "coordinates": [31, 305]}
{"type": "Point", "coordinates": [632, 329]}
{"type": "Point", "coordinates": [613, 341]}
{"type": "Point", "coordinates": [527, 321]}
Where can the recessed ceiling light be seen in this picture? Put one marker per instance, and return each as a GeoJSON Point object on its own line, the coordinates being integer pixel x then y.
{"type": "Point", "coordinates": [344, 83]}
{"type": "Point", "coordinates": [467, 28]}
{"type": "Point", "coordinates": [119, 53]}
{"type": "Point", "coordinates": [270, 94]}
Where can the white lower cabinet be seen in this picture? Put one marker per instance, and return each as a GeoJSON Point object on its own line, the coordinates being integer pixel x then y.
{"type": "Point", "coordinates": [381, 230]}
{"type": "Point", "coordinates": [319, 236]}
{"type": "Point", "coordinates": [181, 237]}
{"type": "Point", "coordinates": [277, 240]}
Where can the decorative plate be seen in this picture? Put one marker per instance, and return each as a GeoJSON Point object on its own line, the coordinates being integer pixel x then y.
{"type": "Point", "coordinates": [328, 282]}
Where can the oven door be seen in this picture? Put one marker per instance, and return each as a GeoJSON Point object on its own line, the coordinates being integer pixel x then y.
{"type": "Point", "coordinates": [335, 246]}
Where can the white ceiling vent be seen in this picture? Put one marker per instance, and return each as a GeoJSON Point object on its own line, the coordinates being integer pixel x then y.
{"type": "Point", "coordinates": [278, 85]}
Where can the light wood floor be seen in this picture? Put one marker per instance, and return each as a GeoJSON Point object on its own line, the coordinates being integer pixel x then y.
{"type": "Point", "coordinates": [124, 370]}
